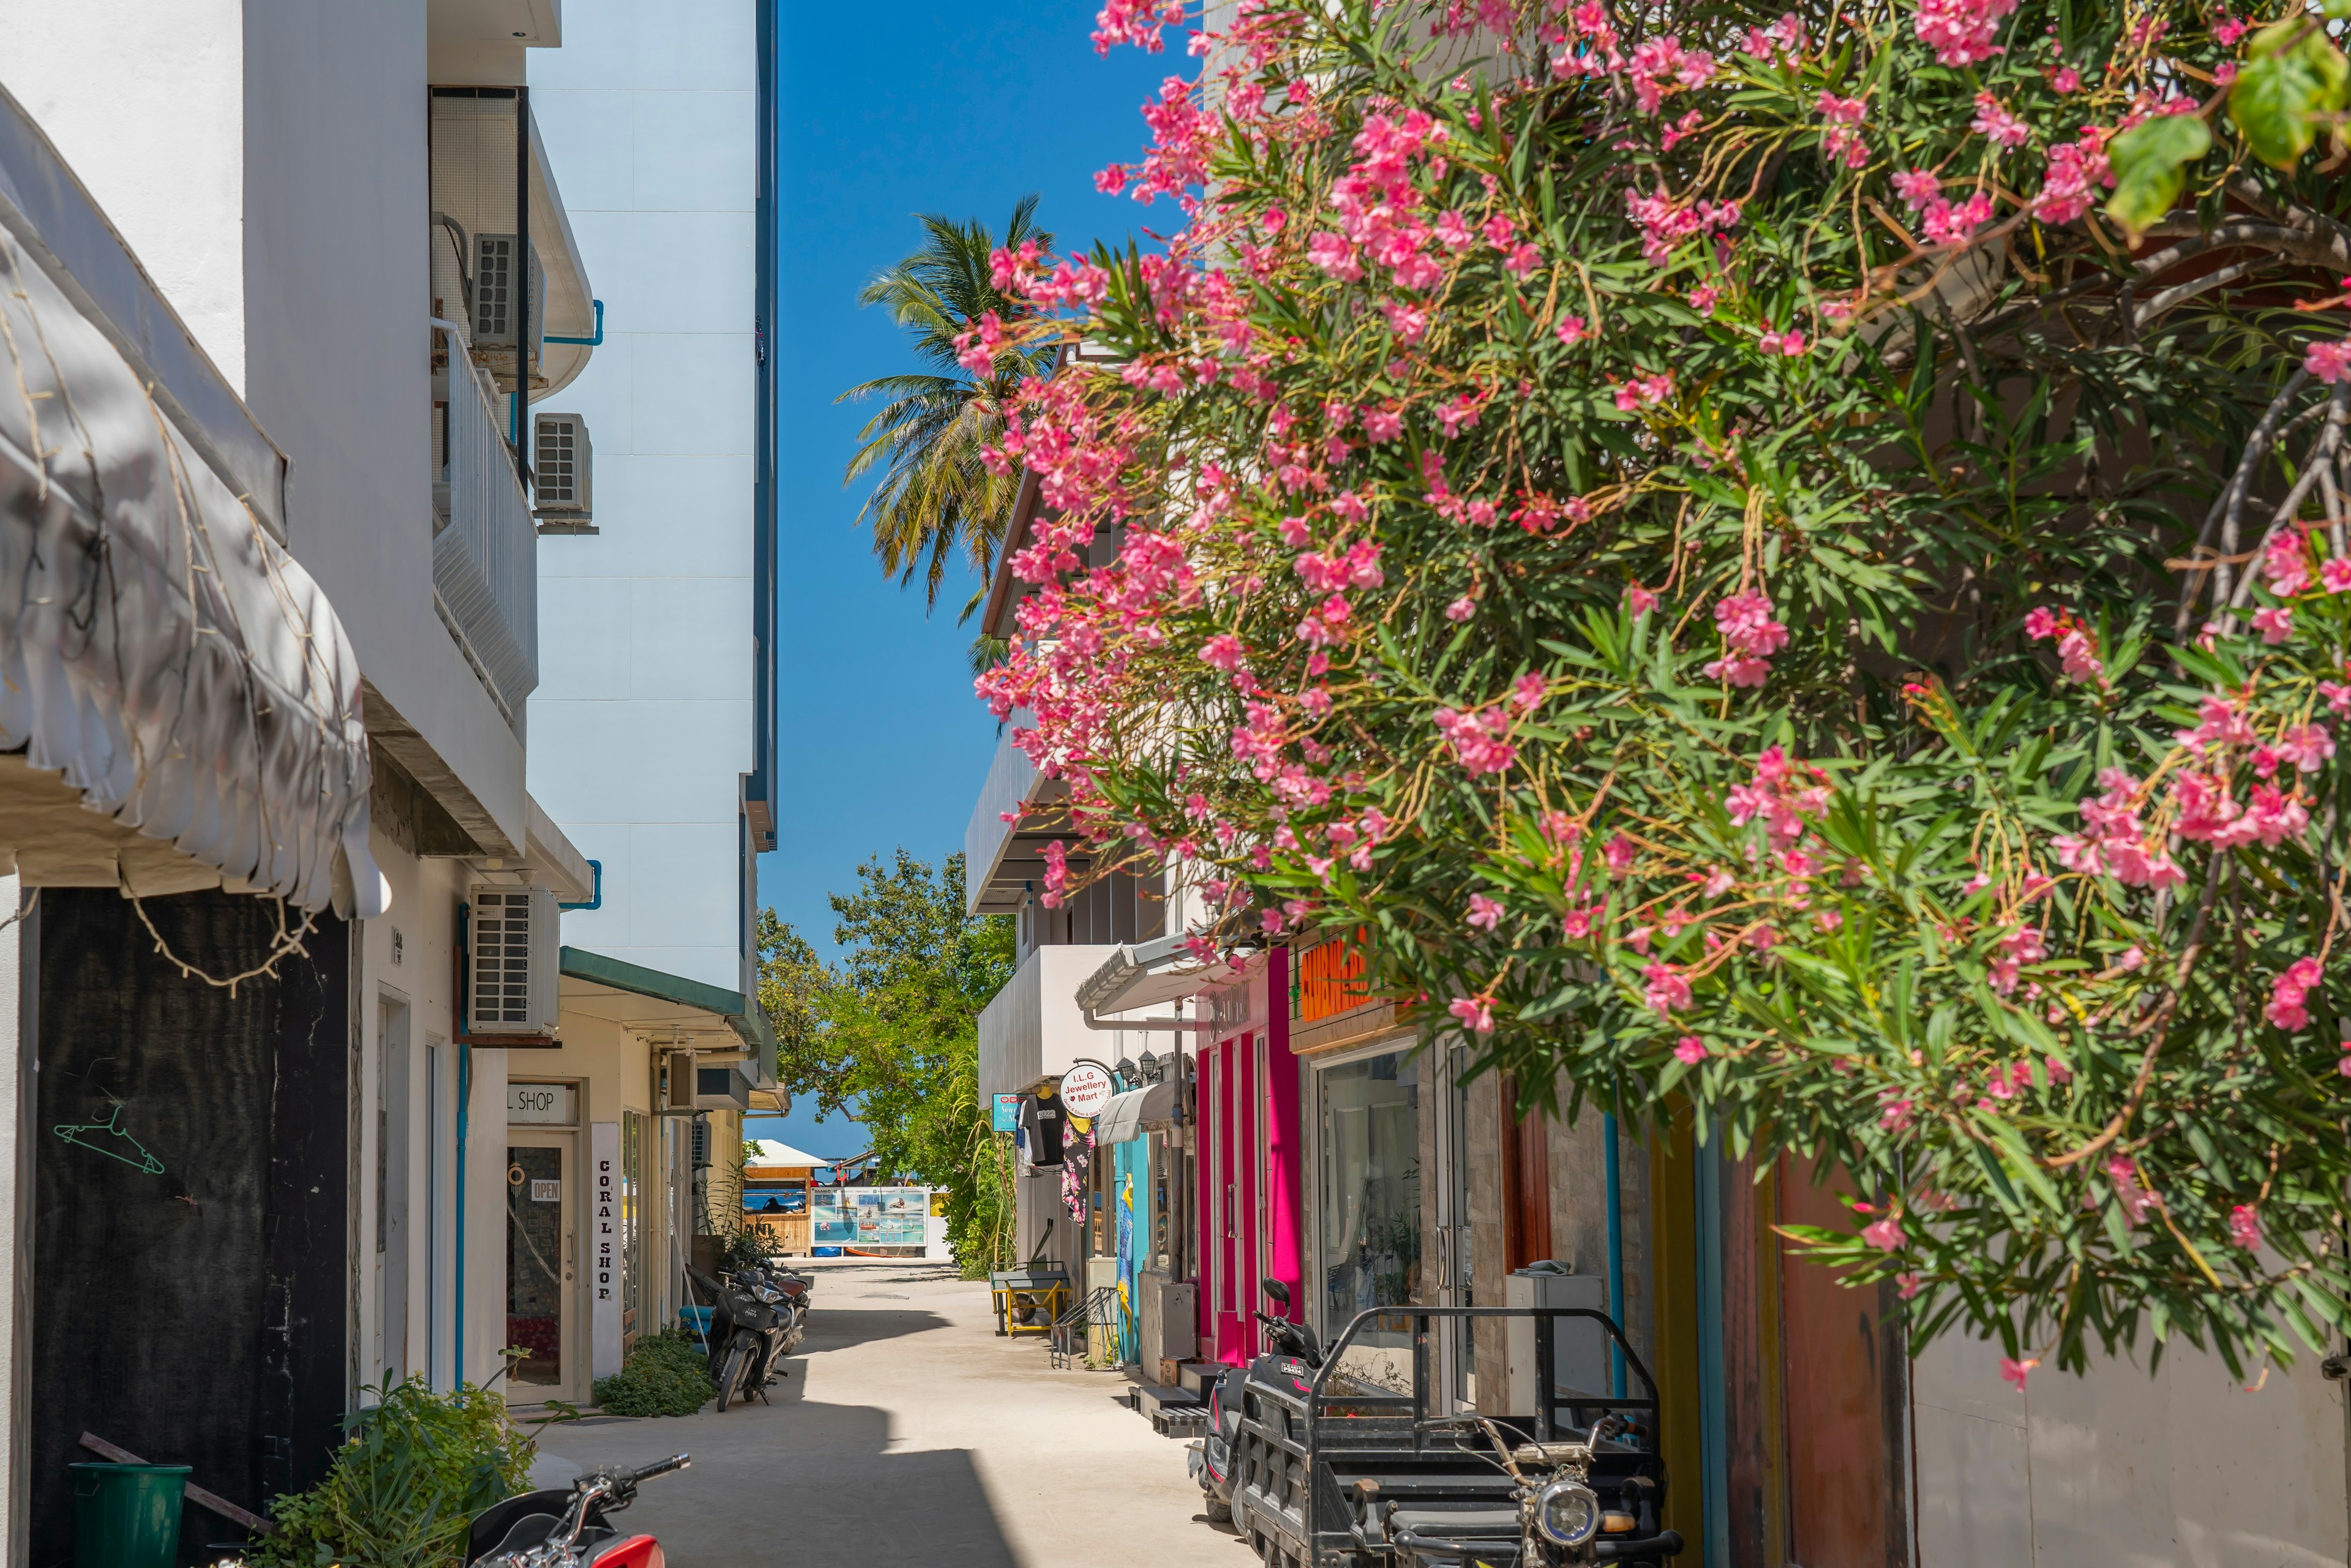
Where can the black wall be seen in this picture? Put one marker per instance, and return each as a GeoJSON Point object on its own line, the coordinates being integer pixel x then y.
{"type": "Point", "coordinates": [195, 1316]}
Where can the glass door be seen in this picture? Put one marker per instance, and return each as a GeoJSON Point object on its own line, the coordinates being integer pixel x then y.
{"type": "Point", "coordinates": [541, 1272]}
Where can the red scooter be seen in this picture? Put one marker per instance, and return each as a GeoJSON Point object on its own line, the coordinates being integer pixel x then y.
{"type": "Point", "coordinates": [558, 1529]}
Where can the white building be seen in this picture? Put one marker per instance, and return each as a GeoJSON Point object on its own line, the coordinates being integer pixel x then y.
{"type": "Point", "coordinates": [331, 245]}
{"type": "Point", "coordinates": [649, 740]}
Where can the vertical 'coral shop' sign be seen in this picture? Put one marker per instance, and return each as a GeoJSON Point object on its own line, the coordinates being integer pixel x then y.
{"type": "Point", "coordinates": [604, 1250]}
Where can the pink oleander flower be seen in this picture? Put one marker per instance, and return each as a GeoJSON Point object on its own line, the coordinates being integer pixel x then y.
{"type": "Point", "coordinates": [1948, 223]}
{"type": "Point", "coordinates": [1571, 330]}
{"type": "Point", "coordinates": [2015, 1372]}
{"type": "Point", "coordinates": [1689, 1051]}
{"type": "Point", "coordinates": [2285, 561]}
{"type": "Point", "coordinates": [2040, 622]}
{"type": "Point", "coordinates": [1961, 32]}
{"type": "Point", "coordinates": [2274, 622]}
{"type": "Point", "coordinates": [2290, 991]}
{"type": "Point", "coordinates": [1886, 1234]}
{"type": "Point", "coordinates": [1749, 637]}
{"type": "Point", "coordinates": [1993, 121]}
{"type": "Point", "coordinates": [1643, 600]}
{"type": "Point", "coordinates": [1906, 1285]}
{"type": "Point", "coordinates": [2244, 1227]}
{"type": "Point", "coordinates": [1667, 991]}
{"type": "Point", "coordinates": [1620, 852]}
{"type": "Point", "coordinates": [1461, 609]}
{"type": "Point", "coordinates": [2334, 574]}
{"type": "Point", "coordinates": [2076, 171]}
{"type": "Point", "coordinates": [2330, 362]}
{"type": "Point", "coordinates": [1474, 1011]}
{"type": "Point", "coordinates": [1484, 912]}
{"type": "Point", "coordinates": [1917, 187]}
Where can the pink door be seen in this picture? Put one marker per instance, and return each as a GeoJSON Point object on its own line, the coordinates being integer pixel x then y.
{"type": "Point", "coordinates": [1229, 1197]}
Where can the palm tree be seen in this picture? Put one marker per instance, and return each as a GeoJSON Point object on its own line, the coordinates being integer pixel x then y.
{"type": "Point", "coordinates": [935, 499]}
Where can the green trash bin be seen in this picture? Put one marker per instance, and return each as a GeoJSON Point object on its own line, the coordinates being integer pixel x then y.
{"type": "Point", "coordinates": [126, 1515]}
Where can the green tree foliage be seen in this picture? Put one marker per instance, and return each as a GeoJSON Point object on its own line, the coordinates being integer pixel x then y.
{"type": "Point", "coordinates": [1691, 526]}
{"type": "Point", "coordinates": [416, 1468]}
{"type": "Point", "coordinates": [935, 498]}
{"type": "Point", "coordinates": [890, 1033]}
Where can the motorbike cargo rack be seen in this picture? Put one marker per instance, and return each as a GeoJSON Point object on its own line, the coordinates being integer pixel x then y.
{"type": "Point", "coordinates": [1343, 1428]}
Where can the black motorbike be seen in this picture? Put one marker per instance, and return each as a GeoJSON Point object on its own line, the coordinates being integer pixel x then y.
{"type": "Point", "coordinates": [1291, 1355]}
{"type": "Point", "coordinates": [568, 1527]}
{"type": "Point", "coordinates": [758, 1318]}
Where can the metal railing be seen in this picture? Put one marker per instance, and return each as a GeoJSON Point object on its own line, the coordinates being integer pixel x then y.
{"type": "Point", "coordinates": [484, 542]}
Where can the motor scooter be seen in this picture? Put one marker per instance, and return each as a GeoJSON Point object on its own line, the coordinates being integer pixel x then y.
{"type": "Point", "coordinates": [756, 1319]}
{"type": "Point", "coordinates": [568, 1527]}
{"type": "Point", "coordinates": [1292, 1354]}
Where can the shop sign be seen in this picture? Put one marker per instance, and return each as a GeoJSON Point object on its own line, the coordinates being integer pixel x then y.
{"type": "Point", "coordinates": [1086, 1088]}
{"type": "Point", "coordinates": [541, 1104]}
{"type": "Point", "coordinates": [1006, 1113]}
{"type": "Point", "coordinates": [604, 1251]}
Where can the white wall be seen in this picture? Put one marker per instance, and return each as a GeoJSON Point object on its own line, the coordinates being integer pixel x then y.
{"type": "Point", "coordinates": [2119, 1468]}
{"type": "Point", "coordinates": [641, 724]}
{"type": "Point", "coordinates": [147, 103]}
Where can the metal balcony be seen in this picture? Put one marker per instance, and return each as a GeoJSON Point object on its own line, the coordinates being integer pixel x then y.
{"type": "Point", "coordinates": [484, 542]}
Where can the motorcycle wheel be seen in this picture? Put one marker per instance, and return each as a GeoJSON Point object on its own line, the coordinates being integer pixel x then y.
{"type": "Point", "coordinates": [730, 1374]}
{"type": "Point", "coordinates": [1219, 1511]}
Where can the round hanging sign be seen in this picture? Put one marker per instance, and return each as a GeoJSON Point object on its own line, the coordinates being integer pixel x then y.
{"type": "Point", "coordinates": [1086, 1088]}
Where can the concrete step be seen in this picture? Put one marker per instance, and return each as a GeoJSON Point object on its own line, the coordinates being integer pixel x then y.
{"type": "Point", "coordinates": [1197, 1375]}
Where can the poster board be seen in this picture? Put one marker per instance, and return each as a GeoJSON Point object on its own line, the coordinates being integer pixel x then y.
{"type": "Point", "coordinates": [604, 1247]}
{"type": "Point", "coordinates": [871, 1217]}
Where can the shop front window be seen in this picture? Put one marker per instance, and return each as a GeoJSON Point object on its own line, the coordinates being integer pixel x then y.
{"type": "Point", "coordinates": [1369, 1203]}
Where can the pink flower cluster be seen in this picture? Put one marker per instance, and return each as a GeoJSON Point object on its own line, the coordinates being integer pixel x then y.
{"type": "Point", "coordinates": [1666, 223]}
{"type": "Point", "coordinates": [1136, 22]}
{"type": "Point", "coordinates": [1660, 64]}
{"type": "Point", "coordinates": [2077, 647]}
{"type": "Point", "coordinates": [2069, 187]}
{"type": "Point", "coordinates": [1480, 741]}
{"type": "Point", "coordinates": [2012, 952]}
{"type": "Point", "coordinates": [1961, 32]}
{"type": "Point", "coordinates": [1841, 142]}
{"type": "Point", "coordinates": [2115, 842]}
{"type": "Point", "coordinates": [2290, 995]}
{"type": "Point", "coordinates": [2329, 361]}
{"type": "Point", "coordinates": [1750, 638]}
{"type": "Point", "coordinates": [1783, 794]}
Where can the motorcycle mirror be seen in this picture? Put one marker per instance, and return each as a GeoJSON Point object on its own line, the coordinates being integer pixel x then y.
{"type": "Point", "coordinates": [1278, 1292]}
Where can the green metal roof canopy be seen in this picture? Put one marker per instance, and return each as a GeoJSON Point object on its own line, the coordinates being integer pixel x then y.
{"type": "Point", "coordinates": [742, 1015]}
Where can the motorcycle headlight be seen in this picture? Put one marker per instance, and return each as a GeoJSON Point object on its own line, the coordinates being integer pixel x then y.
{"type": "Point", "coordinates": [1567, 1513]}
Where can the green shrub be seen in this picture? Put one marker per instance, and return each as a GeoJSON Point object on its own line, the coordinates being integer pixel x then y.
{"type": "Point", "coordinates": [416, 1467]}
{"type": "Point", "coordinates": [664, 1376]}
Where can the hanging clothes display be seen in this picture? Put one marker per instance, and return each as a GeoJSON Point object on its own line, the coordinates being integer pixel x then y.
{"type": "Point", "coordinates": [1041, 1130]}
{"type": "Point", "coordinates": [1077, 1156]}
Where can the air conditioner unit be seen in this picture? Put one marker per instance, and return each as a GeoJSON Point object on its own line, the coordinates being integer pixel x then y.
{"type": "Point", "coordinates": [701, 1143]}
{"type": "Point", "coordinates": [513, 943]}
{"type": "Point", "coordinates": [496, 318]}
{"type": "Point", "coordinates": [560, 468]}
{"type": "Point", "coordinates": [722, 1088]}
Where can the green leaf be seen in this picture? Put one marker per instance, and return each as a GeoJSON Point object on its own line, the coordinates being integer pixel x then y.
{"type": "Point", "coordinates": [2150, 163]}
{"type": "Point", "coordinates": [2282, 92]}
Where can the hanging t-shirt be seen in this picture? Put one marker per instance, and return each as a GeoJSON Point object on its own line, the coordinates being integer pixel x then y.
{"type": "Point", "coordinates": [1042, 1125]}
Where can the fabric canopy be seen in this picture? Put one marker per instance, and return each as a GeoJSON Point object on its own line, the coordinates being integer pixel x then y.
{"type": "Point", "coordinates": [1135, 1111]}
{"type": "Point", "coordinates": [159, 650]}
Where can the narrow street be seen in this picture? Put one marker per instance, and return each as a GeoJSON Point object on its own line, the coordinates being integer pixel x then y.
{"type": "Point", "coordinates": [908, 1433]}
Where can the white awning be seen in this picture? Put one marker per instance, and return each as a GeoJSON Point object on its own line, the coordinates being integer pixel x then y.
{"type": "Point", "coordinates": [160, 652]}
{"type": "Point", "coordinates": [1148, 974]}
{"type": "Point", "coordinates": [1135, 1111]}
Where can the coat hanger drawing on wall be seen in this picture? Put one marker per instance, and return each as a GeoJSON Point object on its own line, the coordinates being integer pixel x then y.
{"type": "Point", "coordinates": [106, 1138]}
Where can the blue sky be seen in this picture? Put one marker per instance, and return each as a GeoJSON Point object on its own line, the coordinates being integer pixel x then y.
{"type": "Point", "coordinates": [888, 110]}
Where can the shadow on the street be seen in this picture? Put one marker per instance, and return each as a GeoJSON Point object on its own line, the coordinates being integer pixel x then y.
{"type": "Point", "coordinates": [864, 1324]}
{"type": "Point", "coordinates": [816, 1481]}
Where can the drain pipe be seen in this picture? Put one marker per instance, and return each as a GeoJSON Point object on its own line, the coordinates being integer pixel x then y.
{"type": "Point", "coordinates": [1616, 1256]}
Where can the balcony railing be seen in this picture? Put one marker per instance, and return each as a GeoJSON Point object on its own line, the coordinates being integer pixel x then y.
{"type": "Point", "coordinates": [484, 543]}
